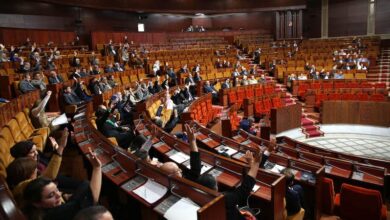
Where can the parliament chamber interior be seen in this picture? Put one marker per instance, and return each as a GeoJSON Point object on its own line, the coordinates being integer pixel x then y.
{"type": "Point", "coordinates": [205, 110]}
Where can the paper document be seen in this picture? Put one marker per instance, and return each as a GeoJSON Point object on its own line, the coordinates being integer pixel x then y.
{"type": "Point", "coordinates": [60, 120]}
{"type": "Point", "coordinates": [151, 191]}
{"type": "Point", "coordinates": [277, 168]}
{"type": "Point", "coordinates": [357, 175]}
{"type": "Point", "coordinates": [255, 188]}
{"type": "Point", "coordinates": [79, 115]}
{"type": "Point", "coordinates": [182, 209]}
{"type": "Point", "coordinates": [179, 157]}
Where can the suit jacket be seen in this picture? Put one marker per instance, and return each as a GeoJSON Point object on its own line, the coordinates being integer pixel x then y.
{"type": "Point", "coordinates": [26, 86]}
{"type": "Point", "coordinates": [187, 94]}
{"type": "Point", "coordinates": [122, 137]}
{"type": "Point", "coordinates": [189, 80]}
{"type": "Point", "coordinates": [225, 85]}
{"type": "Point", "coordinates": [53, 80]}
{"type": "Point", "coordinates": [209, 89]}
{"type": "Point", "coordinates": [72, 99]}
{"type": "Point", "coordinates": [197, 79]}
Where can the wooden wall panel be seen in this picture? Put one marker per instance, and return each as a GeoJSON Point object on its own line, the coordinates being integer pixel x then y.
{"type": "Point", "coordinates": [19, 36]}
{"type": "Point", "coordinates": [354, 112]}
{"type": "Point", "coordinates": [347, 17]}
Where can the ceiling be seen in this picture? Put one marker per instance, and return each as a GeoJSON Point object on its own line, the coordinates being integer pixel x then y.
{"type": "Point", "coordinates": [185, 6]}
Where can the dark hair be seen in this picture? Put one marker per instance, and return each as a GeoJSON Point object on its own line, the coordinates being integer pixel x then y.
{"type": "Point", "coordinates": [19, 170]}
{"type": "Point", "coordinates": [208, 180]}
{"type": "Point", "coordinates": [90, 213]}
{"type": "Point", "coordinates": [289, 176]}
{"type": "Point", "coordinates": [33, 194]}
{"type": "Point", "coordinates": [21, 149]}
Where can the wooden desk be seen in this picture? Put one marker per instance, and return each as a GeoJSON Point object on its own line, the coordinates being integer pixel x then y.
{"type": "Point", "coordinates": [285, 118]}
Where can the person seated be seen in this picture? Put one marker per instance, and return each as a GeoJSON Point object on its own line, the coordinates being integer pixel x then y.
{"type": "Point", "coordinates": [38, 82]}
{"type": "Point", "coordinates": [25, 84]}
{"type": "Point", "coordinates": [40, 118]}
{"type": "Point", "coordinates": [156, 68]}
{"type": "Point", "coordinates": [244, 81]}
{"type": "Point", "coordinates": [103, 84]}
{"type": "Point", "coordinates": [226, 84]}
{"type": "Point", "coordinates": [117, 67]}
{"type": "Point", "coordinates": [197, 78]}
{"type": "Point", "coordinates": [208, 88]}
{"type": "Point", "coordinates": [42, 199]}
{"type": "Point", "coordinates": [339, 75]}
{"type": "Point", "coordinates": [111, 81]}
{"type": "Point", "coordinates": [76, 61]}
{"type": "Point", "coordinates": [187, 94]}
{"type": "Point", "coordinates": [247, 124]}
{"type": "Point", "coordinates": [243, 72]}
{"type": "Point", "coordinates": [252, 80]}
{"type": "Point", "coordinates": [54, 78]}
{"type": "Point", "coordinates": [112, 128]}
{"type": "Point", "coordinates": [302, 76]}
{"type": "Point", "coordinates": [94, 86]}
{"type": "Point", "coordinates": [178, 98]}
{"type": "Point", "coordinates": [27, 165]}
{"type": "Point", "coordinates": [125, 108]}
{"type": "Point", "coordinates": [196, 68]}
{"type": "Point", "coordinates": [70, 97]}
{"type": "Point", "coordinates": [94, 70]}
{"type": "Point", "coordinates": [262, 79]}
{"type": "Point", "coordinates": [183, 70]}
{"type": "Point", "coordinates": [97, 212]}
{"type": "Point", "coordinates": [190, 80]}
{"type": "Point", "coordinates": [294, 193]}
{"type": "Point", "coordinates": [238, 197]}
{"type": "Point", "coordinates": [218, 64]}
{"type": "Point", "coordinates": [193, 174]}
{"type": "Point", "coordinates": [109, 68]}
{"type": "Point", "coordinates": [235, 73]}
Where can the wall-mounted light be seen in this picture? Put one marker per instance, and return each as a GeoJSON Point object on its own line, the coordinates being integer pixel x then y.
{"type": "Point", "coordinates": [199, 14]}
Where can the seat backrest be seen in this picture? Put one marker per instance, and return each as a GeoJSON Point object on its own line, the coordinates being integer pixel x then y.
{"type": "Point", "coordinates": [5, 156]}
{"type": "Point", "coordinates": [327, 196]}
{"type": "Point", "coordinates": [15, 130]}
{"type": "Point", "coordinates": [359, 203]}
{"type": "Point", "coordinates": [6, 134]}
{"type": "Point", "coordinates": [24, 125]}
{"type": "Point", "coordinates": [8, 208]}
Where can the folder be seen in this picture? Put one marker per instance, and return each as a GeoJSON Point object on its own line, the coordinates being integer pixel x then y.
{"type": "Point", "coordinates": [151, 191]}
{"type": "Point", "coordinates": [182, 209]}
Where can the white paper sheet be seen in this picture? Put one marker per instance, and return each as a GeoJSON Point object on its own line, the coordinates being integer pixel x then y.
{"type": "Point", "coordinates": [151, 191]}
{"type": "Point", "coordinates": [179, 157]}
{"type": "Point", "coordinates": [182, 209]}
{"type": "Point", "coordinates": [60, 120]}
{"type": "Point", "coordinates": [225, 149]}
{"type": "Point", "coordinates": [277, 168]}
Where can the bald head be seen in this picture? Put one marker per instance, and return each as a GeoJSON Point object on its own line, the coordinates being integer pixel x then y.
{"type": "Point", "coordinates": [172, 169]}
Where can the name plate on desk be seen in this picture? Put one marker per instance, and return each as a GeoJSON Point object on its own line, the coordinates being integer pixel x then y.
{"type": "Point", "coordinates": [225, 149]}
{"type": "Point", "coordinates": [328, 169]}
{"type": "Point", "coordinates": [308, 177]}
{"type": "Point", "coordinates": [357, 176]}
{"type": "Point", "coordinates": [215, 172]}
{"type": "Point", "coordinates": [107, 168]}
{"type": "Point", "coordinates": [133, 183]}
{"type": "Point", "coordinates": [238, 155]}
{"type": "Point", "coordinates": [166, 204]}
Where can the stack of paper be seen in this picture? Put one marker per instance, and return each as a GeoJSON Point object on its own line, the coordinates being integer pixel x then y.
{"type": "Point", "coordinates": [60, 120]}
{"type": "Point", "coordinates": [151, 191]}
{"type": "Point", "coordinates": [277, 168]}
{"type": "Point", "coordinates": [183, 209]}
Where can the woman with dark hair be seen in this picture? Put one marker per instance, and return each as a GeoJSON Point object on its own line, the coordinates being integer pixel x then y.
{"type": "Point", "coordinates": [27, 149]}
{"type": "Point", "coordinates": [42, 199]}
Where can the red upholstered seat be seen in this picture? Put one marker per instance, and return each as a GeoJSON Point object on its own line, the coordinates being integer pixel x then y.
{"type": "Point", "coordinates": [277, 102]}
{"type": "Point", "coordinates": [232, 97]}
{"type": "Point", "coordinates": [259, 91]}
{"type": "Point", "coordinates": [361, 203]}
{"type": "Point", "coordinates": [328, 196]}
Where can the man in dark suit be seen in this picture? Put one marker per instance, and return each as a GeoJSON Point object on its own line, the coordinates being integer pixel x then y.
{"type": "Point", "coordinates": [187, 93]}
{"type": "Point", "coordinates": [226, 84]}
{"type": "Point", "coordinates": [25, 85]}
{"type": "Point", "coordinates": [189, 80]}
{"type": "Point", "coordinates": [123, 135]}
{"type": "Point", "coordinates": [208, 88]}
{"type": "Point", "coordinates": [54, 78]}
{"type": "Point", "coordinates": [294, 194]}
{"type": "Point", "coordinates": [70, 97]}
